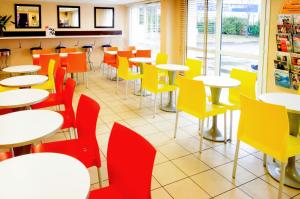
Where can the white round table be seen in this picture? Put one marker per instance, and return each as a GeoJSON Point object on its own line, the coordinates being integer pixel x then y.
{"type": "Point", "coordinates": [216, 83]}
{"type": "Point", "coordinates": [292, 104]}
{"type": "Point", "coordinates": [22, 69]}
{"type": "Point", "coordinates": [22, 97]}
{"type": "Point", "coordinates": [44, 176]}
{"type": "Point", "coordinates": [22, 128]}
{"type": "Point", "coordinates": [37, 56]}
{"type": "Point", "coordinates": [141, 61]}
{"type": "Point", "coordinates": [172, 71]}
{"type": "Point", "coordinates": [24, 81]}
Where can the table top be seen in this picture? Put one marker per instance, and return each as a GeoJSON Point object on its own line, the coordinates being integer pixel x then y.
{"type": "Point", "coordinates": [43, 175]}
{"type": "Point", "coordinates": [22, 69]}
{"type": "Point", "coordinates": [218, 81]}
{"type": "Point", "coordinates": [26, 127]}
{"type": "Point", "coordinates": [141, 59]}
{"type": "Point", "coordinates": [24, 81]}
{"type": "Point", "coordinates": [290, 101]}
{"type": "Point", "coordinates": [22, 97]}
{"type": "Point", "coordinates": [114, 52]}
{"type": "Point", "coordinates": [37, 56]}
{"type": "Point", "coordinates": [172, 67]}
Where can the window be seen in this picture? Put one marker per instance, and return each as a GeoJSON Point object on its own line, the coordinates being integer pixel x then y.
{"type": "Point", "coordinates": [144, 23]}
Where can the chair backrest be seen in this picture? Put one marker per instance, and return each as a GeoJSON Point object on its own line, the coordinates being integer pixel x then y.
{"type": "Point", "coordinates": [195, 68]}
{"type": "Point", "coordinates": [51, 72]}
{"type": "Point", "coordinates": [150, 78]}
{"type": "Point", "coordinates": [68, 50]}
{"type": "Point", "coordinates": [86, 119]}
{"type": "Point", "coordinates": [247, 86]}
{"type": "Point", "coordinates": [42, 51]}
{"type": "Point", "coordinates": [76, 62]}
{"type": "Point", "coordinates": [161, 58]}
{"type": "Point", "coordinates": [190, 101]}
{"type": "Point", "coordinates": [44, 62]}
{"type": "Point", "coordinates": [68, 97]}
{"type": "Point", "coordinates": [131, 48]}
{"type": "Point", "coordinates": [143, 53]}
{"type": "Point", "coordinates": [265, 127]}
{"type": "Point", "coordinates": [59, 80]}
{"type": "Point", "coordinates": [124, 53]}
{"type": "Point", "coordinates": [130, 161]}
{"type": "Point", "coordinates": [123, 67]}
{"type": "Point", "coordinates": [112, 48]}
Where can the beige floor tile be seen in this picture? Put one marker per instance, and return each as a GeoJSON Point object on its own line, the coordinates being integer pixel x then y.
{"type": "Point", "coordinates": [167, 173]}
{"type": "Point", "coordinates": [234, 194]}
{"type": "Point", "coordinates": [259, 189]}
{"type": "Point", "coordinates": [146, 129]}
{"type": "Point", "coordinates": [136, 122]}
{"type": "Point", "coordinates": [192, 144]}
{"type": "Point", "coordinates": [158, 139]}
{"type": "Point", "coordinates": [242, 175]}
{"type": "Point", "coordinates": [184, 189]}
{"type": "Point", "coordinates": [160, 158]}
{"type": "Point", "coordinates": [212, 158]}
{"type": "Point", "coordinates": [160, 193]}
{"type": "Point", "coordinates": [228, 150]}
{"type": "Point", "coordinates": [164, 125]}
{"type": "Point", "coordinates": [253, 164]}
{"type": "Point", "coordinates": [173, 150]}
{"type": "Point", "coordinates": [190, 165]}
{"type": "Point", "coordinates": [212, 182]}
{"type": "Point", "coordinates": [154, 184]}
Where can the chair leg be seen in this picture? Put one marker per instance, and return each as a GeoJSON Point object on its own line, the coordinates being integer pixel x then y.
{"type": "Point", "coordinates": [281, 180]}
{"type": "Point", "coordinates": [161, 100]}
{"type": "Point", "coordinates": [231, 118]}
{"type": "Point", "coordinates": [207, 122]}
{"type": "Point", "coordinates": [225, 131]}
{"type": "Point", "coordinates": [201, 134]}
{"type": "Point", "coordinates": [265, 160]}
{"type": "Point", "coordinates": [176, 124]}
{"type": "Point", "coordinates": [154, 111]}
{"type": "Point", "coordinates": [236, 154]}
{"type": "Point", "coordinates": [70, 133]}
{"type": "Point", "coordinates": [99, 177]}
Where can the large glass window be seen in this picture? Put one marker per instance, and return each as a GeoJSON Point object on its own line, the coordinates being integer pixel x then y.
{"type": "Point", "coordinates": [145, 26]}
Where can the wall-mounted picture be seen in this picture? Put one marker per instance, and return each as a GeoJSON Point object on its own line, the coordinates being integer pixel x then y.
{"type": "Point", "coordinates": [27, 16]}
{"type": "Point", "coordinates": [68, 16]}
{"type": "Point", "coordinates": [104, 17]}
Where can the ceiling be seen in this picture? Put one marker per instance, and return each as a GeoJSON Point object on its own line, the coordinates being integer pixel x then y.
{"type": "Point", "coordinates": [119, 2]}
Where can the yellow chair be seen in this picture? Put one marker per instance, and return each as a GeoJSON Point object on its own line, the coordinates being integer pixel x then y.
{"type": "Point", "coordinates": [192, 100]}
{"type": "Point", "coordinates": [151, 83]}
{"type": "Point", "coordinates": [246, 88]}
{"type": "Point", "coordinates": [125, 73]}
{"type": "Point", "coordinates": [49, 84]}
{"type": "Point", "coordinates": [162, 58]}
{"type": "Point", "coordinates": [3, 88]}
{"type": "Point", "coordinates": [195, 68]}
{"type": "Point", "coordinates": [266, 127]}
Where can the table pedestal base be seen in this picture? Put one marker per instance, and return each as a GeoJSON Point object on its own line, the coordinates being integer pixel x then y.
{"type": "Point", "coordinates": [213, 134]}
{"type": "Point", "coordinates": [170, 107]}
{"type": "Point", "coordinates": [22, 150]}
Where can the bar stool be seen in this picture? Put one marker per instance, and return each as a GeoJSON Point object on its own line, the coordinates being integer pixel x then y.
{"type": "Point", "coordinates": [89, 49]}
{"type": "Point", "coordinates": [4, 54]}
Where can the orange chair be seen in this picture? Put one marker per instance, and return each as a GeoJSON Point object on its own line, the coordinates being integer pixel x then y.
{"type": "Point", "coordinates": [125, 53]}
{"type": "Point", "coordinates": [77, 64]}
{"type": "Point", "coordinates": [143, 53]}
{"type": "Point", "coordinates": [44, 62]}
{"type": "Point", "coordinates": [68, 50]}
{"type": "Point", "coordinates": [36, 61]}
{"type": "Point", "coordinates": [109, 59]}
{"type": "Point", "coordinates": [131, 48]}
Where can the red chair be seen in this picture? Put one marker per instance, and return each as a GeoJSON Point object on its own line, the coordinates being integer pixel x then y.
{"type": "Point", "coordinates": [44, 62]}
{"type": "Point", "coordinates": [54, 99]}
{"type": "Point", "coordinates": [109, 59]}
{"type": "Point", "coordinates": [5, 155]}
{"type": "Point", "coordinates": [85, 148]}
{"type": "Point", "coordinates": [64, 60]}
{"type": "Point", "coordinates": [130, 161]}
{"type": "Point", "coordinates": [77, 64]}
{"type": "Point", "coordinates": [36, 61]}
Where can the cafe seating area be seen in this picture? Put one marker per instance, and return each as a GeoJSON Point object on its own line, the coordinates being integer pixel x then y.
{"type": "Point", "coordinates": [113, 101]}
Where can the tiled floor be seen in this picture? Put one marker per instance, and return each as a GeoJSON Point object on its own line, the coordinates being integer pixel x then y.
{"type": "Point", "coordinates": [180, 171]}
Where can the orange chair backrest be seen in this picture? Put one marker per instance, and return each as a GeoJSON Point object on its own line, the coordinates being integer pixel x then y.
{"type": "Point", "coordinates": [76, 62]}
{"type": "Point", "coordinates": [68, 50]}
{"type": "Point", "coordinates": [125, 53]}
{"type": "Point", "coordinates": [131, 48]}
{"type": "Point", "coordinates": [42, 51]}
{"type": "Point", "coordinates": [112, 49]}
{"type": "Point", "coordinates": [44, 62]}
{"type": "Point", "coordinates": [143, 53]}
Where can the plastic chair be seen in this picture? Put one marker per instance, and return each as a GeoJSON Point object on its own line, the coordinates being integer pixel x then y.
{"type": "Point", "coordinates": [246, 88]}
{"type": "Point", "coordinates": [44, 62]}
{"type": "Point", "coordinates": [54, 99]}
{"type": "Point", "coordinates": [68, 50]}
{"type": "Point", "coordinates": [77, 64]}
{"type": "Point", "coordinates": [127, 54]}
{"type": "Point", "coordinates": [50, 83]}
{"type": "Point", "coordinates": [125, 73]}
{"type": "Point", "coordinates": [5, 156]}
{"type": "Point", "coordinates": [195, 68]}
{"type": "Point", "coordinates": [130, 161]}
{"type": "Point", "coordinates": [266, 127]}
{"type": "Point", "coordinates": [143, 53]}
{"type": "Point", "coordinates": [151, 83]}
{"type": "Point", "coordinates": [109, 59]}
{"type": "Point", "coordinates": [85, 148]}
{"type": "Point", "coordinates": [36, 61]}
{"type": "Point", "coordinates": [131, 48]}
{"type": "Point", "coordinates": [192, 100]}
{"type": "Point", "coordinates": [162, 58]}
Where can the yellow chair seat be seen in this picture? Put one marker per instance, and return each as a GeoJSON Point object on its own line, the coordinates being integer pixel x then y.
{"type": "Point", "coordinates": [231, 105]}
{"type": "Point", "coordinates": [131, 76]}
{"type": "Point", "coordinates": [293, 146]}
{"type": "Point", "coordinates": [45, 86]}
{"type": "Point", "coordinates": [211, 110]}
{"type": "Point", "coordinates": [165, 88]}
{"type": "Point", "coordinates": [2, 88]}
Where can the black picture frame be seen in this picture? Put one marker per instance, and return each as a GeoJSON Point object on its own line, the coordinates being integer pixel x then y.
{"type": "Point", "coordinates": [58, 18]}
{"type": "Point", "coordinates": [28, 5]}
{"type": "Point", "coordinates": [113, 17]}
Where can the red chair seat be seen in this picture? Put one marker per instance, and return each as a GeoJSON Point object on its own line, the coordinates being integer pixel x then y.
{"type": "Point", "coordinates": [88, 154]}
{"type": "Point", "coordinates": [105, 193]}
{"type": "Point", "coordinates": [69, 120]}
{"type": "Point", "coordinates": [52, 100]}
{"type": "Point", "coordinates": [5, 155]}
{"type": "Point", "coordinates": [5, 111]}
